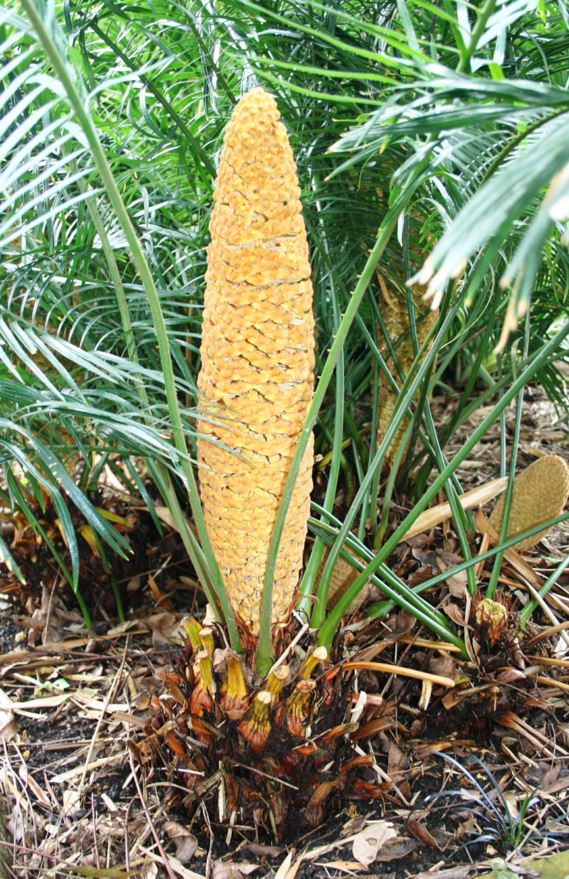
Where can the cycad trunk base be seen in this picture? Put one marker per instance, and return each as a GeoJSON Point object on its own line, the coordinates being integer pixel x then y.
{"type": "Point", "coordinates": [273, 756]}
{"type": "Point", "coordinates": [257, 352]}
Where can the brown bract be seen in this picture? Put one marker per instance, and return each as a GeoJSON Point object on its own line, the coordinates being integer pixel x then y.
{"type": "Point", "coordinates": [256, 380]}
{"type": "Point", "coordinates": [540, 494]}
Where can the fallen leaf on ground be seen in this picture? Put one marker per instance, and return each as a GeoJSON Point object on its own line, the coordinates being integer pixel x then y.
{"type": "Point", "coordinates": [8, 725]}
{"type": "Point", "coordinates": [264, 851]}
{"type": "Point", "coordinates": [444, 666]}
{"type": "Point", "coordinates": [451, 873]}
{"type": "Point", "coordinates": [421, 833]}
{"type": "Point", "coordinates": [230, 870]}
{"type": "Point", "coordinates": [395, 759]}
{"type": "Point", "coordinates": [395, 849]}
{"type": "Point", "coordinates": [287, 869]}
{"type": "Point", "coordinates": [185, 842]}
{"type": "Point", "coordinates": [162, 625]}
{"type": "Point", "coordinates": [455, 613]}
{"type": "Point", "coordinates": [368, 841]}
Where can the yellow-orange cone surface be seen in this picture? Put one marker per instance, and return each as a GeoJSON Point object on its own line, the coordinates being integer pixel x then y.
{"type": "Point", "coordinates": [540, 494]}
{"type": "Point", "coordinates": [396, 317]}
{"type": "Point", "coordinates": [257, 352]}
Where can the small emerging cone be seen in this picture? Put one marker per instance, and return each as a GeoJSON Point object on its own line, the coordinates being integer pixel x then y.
{"type": "Point", "coordinates": [491, 617]}
{"type": "Point", "coordinates": [540, 493]}
{"type": "Point", "coordinates": [256, 379]}
{"type": "Point", "coordinates": [395, 314]}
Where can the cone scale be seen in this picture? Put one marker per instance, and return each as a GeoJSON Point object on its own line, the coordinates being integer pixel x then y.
{"type": "Point", "coordinates": [257, 351]}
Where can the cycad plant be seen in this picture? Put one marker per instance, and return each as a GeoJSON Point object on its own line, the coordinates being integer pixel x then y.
{"type": "Point", "coordinates": [417, 131]}
{"type": "Point", "coordinates": [255, 389]}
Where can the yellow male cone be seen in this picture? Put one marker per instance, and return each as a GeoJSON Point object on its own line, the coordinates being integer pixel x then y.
{"type": "Point", "coordinates": [396, 317]}
{"type": "Point", "coordinates": [540, 493]}
{"type": "Point", "coordinates": [257, 352]}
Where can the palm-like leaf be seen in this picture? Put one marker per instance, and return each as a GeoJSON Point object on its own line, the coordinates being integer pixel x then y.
{"type": "Point", "coordinates": [63, 339]}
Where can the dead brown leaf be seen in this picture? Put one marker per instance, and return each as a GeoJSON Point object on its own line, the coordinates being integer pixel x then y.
{"type": "Point", "coordinates": [444, 665]}
{"type": "Point", "coordinates": [395, 759]}
{"type": "Point", "coordinates": [451, 873]}
{"type": "Point", "coordinates": [263, 851]}
{"type": "Point", "coordinates": [397, 848]}
{"type": "Point", "coordinates": [455, 613]}
{"type": "Point", "coordinates": [456, 582]}
{"type": "Point", "coordinates": [420, 832]}
{"type": "Point", "coordinates": [400, 624]}
{"type": "Point", "coordinates": [162, 625]}
{"type": "Point", "coordinates": [185, 842]}
{"type": "Point", "coordinates": [370, 840]}
{"type": "Point", "coordinates": [8, 725]}
{"type": "Point", "coordinates": [508, 675]}
{"type": "Point", "coordinates": [231, 870]}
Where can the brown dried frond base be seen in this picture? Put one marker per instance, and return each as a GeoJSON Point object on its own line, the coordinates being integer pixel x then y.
{"type": "Point", "coordinates": [278, 755]}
